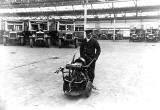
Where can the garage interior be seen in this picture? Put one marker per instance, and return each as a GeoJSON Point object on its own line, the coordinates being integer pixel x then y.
{"type": "Point", "coordinates": [126, 73]}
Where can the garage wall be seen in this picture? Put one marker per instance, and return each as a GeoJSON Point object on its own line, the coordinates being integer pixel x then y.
{"type": "Point", "coordinates": [145, 23]}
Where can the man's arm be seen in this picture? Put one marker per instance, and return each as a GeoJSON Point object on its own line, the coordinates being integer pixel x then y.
{"type": "Point", "coordinates": [98, 49]}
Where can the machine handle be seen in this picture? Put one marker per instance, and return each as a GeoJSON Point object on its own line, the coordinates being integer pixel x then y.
{"type": "Point", "coordinates": [59, 69]}
{"type": "Point", "coordinates": [87, 66]}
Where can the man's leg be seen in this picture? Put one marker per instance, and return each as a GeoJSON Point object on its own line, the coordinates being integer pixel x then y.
{"type": "Point", "coordinates": [91, 72]}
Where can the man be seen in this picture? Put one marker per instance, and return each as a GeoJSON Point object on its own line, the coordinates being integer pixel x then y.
{"type": "Point", "coordinates": [90, 50]}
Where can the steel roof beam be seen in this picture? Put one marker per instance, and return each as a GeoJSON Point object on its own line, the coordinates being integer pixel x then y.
{"type": "Point", "coordinates": [92, 11]}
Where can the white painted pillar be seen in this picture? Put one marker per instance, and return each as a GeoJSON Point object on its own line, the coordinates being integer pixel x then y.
{"type": "Point", "coordinates": [58, 26]}
{"type": "Point", "coordinates": [6, 26]}
{"type": "Point", "coordinates": [114, 24]}
{"type": "Point", "coordinates": [85, 16]}
{"type": "Point", "coordinates": [0, 24]}
{"type": "Point", "coordinates": [48, 24]}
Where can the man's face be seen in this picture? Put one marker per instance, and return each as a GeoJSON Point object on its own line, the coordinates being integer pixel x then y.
{"type": "Point", "coordinates": [89, 35]}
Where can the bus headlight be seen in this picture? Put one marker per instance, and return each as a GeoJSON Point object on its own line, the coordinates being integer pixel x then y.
{"type": "Point", "coordinates": [33, 35]}
{"type": "Point", "coordinates": [45, 35]}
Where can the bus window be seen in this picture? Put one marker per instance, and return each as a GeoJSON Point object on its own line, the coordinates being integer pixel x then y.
{"type": "Point", "coordinates": [11, 27]}
{"type": "Point", "coordinates": [70, 27]}
{"type": "Point", "coordinates": [62, 27]}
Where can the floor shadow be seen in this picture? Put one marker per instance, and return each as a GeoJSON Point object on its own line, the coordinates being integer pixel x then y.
{"type": "Point", "coordinates": [73, 98]}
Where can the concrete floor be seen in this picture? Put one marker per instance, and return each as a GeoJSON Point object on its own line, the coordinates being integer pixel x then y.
{"type": "Point", "coordinates": [127, 78]}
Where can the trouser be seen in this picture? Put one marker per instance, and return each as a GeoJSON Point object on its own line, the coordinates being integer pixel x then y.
{"type": "Point", "coordinates": [91, 73]}
{"type": "Point", "coordinates": [91, 69]}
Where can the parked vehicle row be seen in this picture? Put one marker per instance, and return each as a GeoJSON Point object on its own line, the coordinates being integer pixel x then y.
{"type": "Point", "coordinates": [134, 34]}
{"type": "Point", "coordinates": [65, 32]}
{"type": "Point", "coordinates": [145, 35]}
{"type": "Point", "coordinates": [38, 32]}
{"type": "Point", "coordinates": [152, 35]}
{"type": "Point", "coordinates": [108, 34]}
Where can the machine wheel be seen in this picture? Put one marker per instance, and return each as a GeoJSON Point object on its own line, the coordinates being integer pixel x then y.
{"type": "Point", "coordinates": [31, 42]}
{"type": "Point", "coordinates": [5, 41]}
{"type": "Point", "coordinates": [65, 86]}
{"type": "Point", "coordinates": [88, 89]}
{"type": "Point", "coordinates": [21, 41]}
{"type": "Point", "coordinates": [60, 43]}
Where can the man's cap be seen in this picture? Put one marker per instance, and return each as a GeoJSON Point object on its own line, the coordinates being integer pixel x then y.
{"type": "Point", "coordinates": [88, 31]}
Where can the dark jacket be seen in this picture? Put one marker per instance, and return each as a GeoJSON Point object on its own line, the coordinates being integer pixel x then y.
{"type": "Point", "coordinates": [90, 50]}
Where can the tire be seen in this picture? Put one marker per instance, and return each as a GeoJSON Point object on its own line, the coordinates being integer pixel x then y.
{"type": "Point", "coordinates": [4, 41]}
{"type": "Point", "coordinates": [45, 42]}
{"type": "Point", "coordinates": [48, 42]}
{"type": "Point", "coordinates": [31, 42]}
{"type": "Point", "coordinates": [130, 40]}
{"type": "Point", "coordinates": [88, 89]}
{"type": "Point", "coordinates": [76, 43]}
{"type": "Point", "coordinates": [60, 43]}
{"type": "Point", "coordinates": [65, 86]}
{"type": "Point", "coordinates": [21, 41]}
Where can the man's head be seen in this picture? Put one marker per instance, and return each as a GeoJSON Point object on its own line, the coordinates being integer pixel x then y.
{"type": "Point", "coordinates": [88, 34]}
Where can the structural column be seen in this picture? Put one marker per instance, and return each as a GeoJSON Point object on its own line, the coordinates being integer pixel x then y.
{"type": "Point", "coordinates": [85, 16]}
{"type": "Point", "coordinates": [114, 24]}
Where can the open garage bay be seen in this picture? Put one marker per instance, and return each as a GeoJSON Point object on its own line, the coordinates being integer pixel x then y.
{"type": "Point", "coordinates": [127, 78]}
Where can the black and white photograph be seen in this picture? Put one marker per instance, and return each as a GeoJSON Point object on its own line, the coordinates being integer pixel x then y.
{"type": "Point", "coordinates": [79, 54]}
